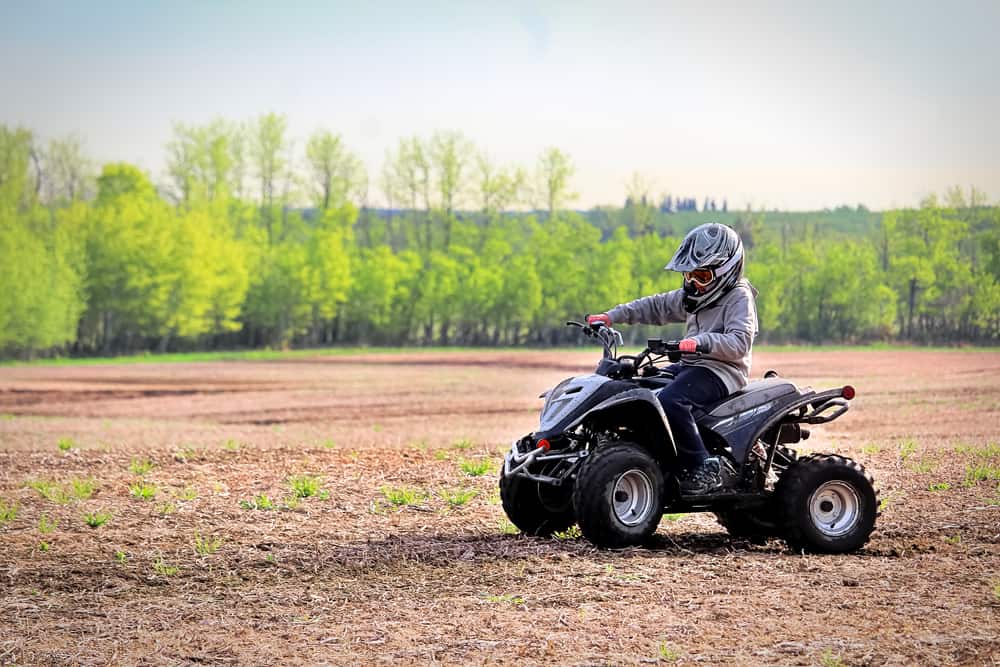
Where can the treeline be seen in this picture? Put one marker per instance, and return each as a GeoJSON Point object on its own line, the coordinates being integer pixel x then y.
{"type": "Point", "coordinates": [248, 243]}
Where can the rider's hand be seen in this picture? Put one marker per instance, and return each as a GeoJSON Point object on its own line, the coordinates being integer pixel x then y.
{"type": "Point", "coordinates": [688, 345]}
{"type": "Point", "coordinates": [603, 318]}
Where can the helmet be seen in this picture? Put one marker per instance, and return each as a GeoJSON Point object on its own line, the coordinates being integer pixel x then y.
{"type": "Point", "coordinates": [711, 259]}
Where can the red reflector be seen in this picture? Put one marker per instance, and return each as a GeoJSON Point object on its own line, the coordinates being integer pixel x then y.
{"type": "Point", "coordinates": [544, 444]}
{"type": "Point", "coordinates": [847, 392]}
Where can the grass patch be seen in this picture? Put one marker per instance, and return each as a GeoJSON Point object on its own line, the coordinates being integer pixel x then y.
{"type": "Point", "coordinates": [7, 512]}
{"type": "Point", "coordinates": [829, 659]}
{"type": "Point", "coordinates": [205, 546]}
{"type": "Point", "coordinates": [667, 652]}
{"type": "Point", "coordinates": [458, 497]}
{"type": "Point", "coordinates": [475, 468]}
{"type": "Point", "coordinates": [166, 509]}
{"type": "Point", "coordinates": [142, 490]}
{"type": "Point", "coordinates": [571, 533]}
{"type": "Point", "coordinates": [515, 600]}
{"type": "Point", "coordinates": [231, 445]}
{"type": "Point", "coordinates": [44, 546]}
{"type": "Point", "coordinates": [871, 448]}
{"type": "Point", "coordinates": [673, 517]}
{"type": "Point", "coordinates": [329, 444]}
{"type": "Point", "coordinates": [96, 519]}
{"type": "Point", "coordinates": [954, 539]}
{"type": "Point", "coordinates": [185, 453]}
{"type": "Point", "coordinates": [463, 444]}
{"type": "Point", "coordinates": [187, 493]}
{"type": "Point", "coordinates": [47, 525]}
{"type": "Point", "coordinates": [507, 528]}
{"type": "Point", "coordinates": [260, 502]}
{"type": "Point", "coordinates": [49, 490]}
{"type": "Point", "coordinates": [121, 556]}
{"type": "Point", "coordinates": [307, 486]}
{"type": "Point", "coordinates": [907, 448]}
{"type": "Point", "coordinates": [940, 486]}
{"type": "Point", "coordinates": [65, 444]}
{"type": "Point", "coordinates": [161, 567]}
{"type": "Point", "coordinates": [82, 489]}
{"type": "Point", "coordinates": [980, 473]}
{"type": "Point", "coordinates": [139, 467]}
{"type": "Point", "coordinates": [403, 496]}
{"type": "Point", "coordinates": [886, 500]}
{"type": "Point", "coordinates": [921, 467]}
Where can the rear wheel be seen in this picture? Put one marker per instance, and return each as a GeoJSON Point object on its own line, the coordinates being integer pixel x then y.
{"type": "Point", "coordinates": [828, 504]}
{"type": "Point", "coordinates": [536, 509]}
{"type": "Point", "coordinates": [618, 496]}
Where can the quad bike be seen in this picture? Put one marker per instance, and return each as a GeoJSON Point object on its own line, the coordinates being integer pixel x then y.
{"type": "Point", "coordinates": [604, 458]}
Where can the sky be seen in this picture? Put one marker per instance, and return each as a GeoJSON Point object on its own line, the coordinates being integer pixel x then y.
{"type": "Point", "coordinates": [786, 104]}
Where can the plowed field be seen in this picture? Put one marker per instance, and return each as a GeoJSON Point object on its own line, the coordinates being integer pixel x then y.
{"type": "Point", "coordinates": [396, 549]}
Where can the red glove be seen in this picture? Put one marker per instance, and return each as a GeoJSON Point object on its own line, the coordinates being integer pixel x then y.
{"type": "Point", "coordinates": [603, 317]}
{"type": "Point", "coordinates": [688, 345]}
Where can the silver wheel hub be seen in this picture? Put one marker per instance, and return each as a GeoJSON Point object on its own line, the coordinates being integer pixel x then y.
{"type": "Point", "coordinates": [835, 508]}
{"type": "Point", "coordinates": [632, 497]}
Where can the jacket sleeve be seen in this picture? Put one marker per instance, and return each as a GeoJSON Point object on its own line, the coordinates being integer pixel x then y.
{"type": "Point", "coordinates": [656, 309]}
{"type": "Point", "coordinates": [740, 328]}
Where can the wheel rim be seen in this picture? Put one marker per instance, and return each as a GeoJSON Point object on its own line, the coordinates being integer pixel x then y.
{"type": "Point", "coordinates": [835, 508]}
{"type": "Point", "coordinates": [632, 497]}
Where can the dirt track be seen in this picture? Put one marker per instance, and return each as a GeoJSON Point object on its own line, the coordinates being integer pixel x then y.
{"type": "Point", "coordinates": [354, 579]}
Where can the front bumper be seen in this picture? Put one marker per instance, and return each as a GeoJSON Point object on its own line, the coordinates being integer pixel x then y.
{"type": "Point", "coordinates": [519, 464]}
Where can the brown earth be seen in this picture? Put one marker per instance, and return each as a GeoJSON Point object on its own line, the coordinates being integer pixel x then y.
{"type": "Point", "coordinates": [352, 579]}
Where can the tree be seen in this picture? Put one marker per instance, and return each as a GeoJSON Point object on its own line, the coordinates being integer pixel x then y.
{"type": "Point", "coordinates": [336, 173]}
{"type": "Point", "coordinates": [269, 149]}
{"type": "Point", "coordinates": [552, 177]}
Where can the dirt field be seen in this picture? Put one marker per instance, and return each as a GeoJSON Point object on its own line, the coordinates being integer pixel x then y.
{"type": "Point", "coordinates": [200, 573]}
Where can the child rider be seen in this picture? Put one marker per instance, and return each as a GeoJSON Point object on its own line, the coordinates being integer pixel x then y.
{"type": "Point", "coordinates": [717, 303]}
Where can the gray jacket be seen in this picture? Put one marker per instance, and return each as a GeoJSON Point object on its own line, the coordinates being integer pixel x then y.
{"type": "Point", "coordinates": [729, 325]}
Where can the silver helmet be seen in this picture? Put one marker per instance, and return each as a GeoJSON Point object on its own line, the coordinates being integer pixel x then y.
{"type": "Point", "coordinates": [715, 250]}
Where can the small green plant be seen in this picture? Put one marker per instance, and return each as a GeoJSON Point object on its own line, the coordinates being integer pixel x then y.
{"type": "Point", "coordinates": [142, 490]}
{"type": "Point", "coordinates": [50, 490]}
{"type": "Point", "coordinates": [571, 533]}
{"type": "Point", "coordinates": [65, 444]}
{"type": "Point", "coordinates": [44, 546]}
{"type": "Point", "coordinates": [458, 497]}
{"type": "Point", "coordinates": [329, 444]}
{"type": "Point", "coordinates": [162, 568]}
{"type": "Point", "coordinates": [139, 467]}
{"type": "Point", "coordinates": [205, 546]}
{"type": "Point", "coordinates": [403, 495]}
{"type": "Point", "coordinates": [462, 444]}
{"type": "Point", "coordinates": [475, 468]}
{"type": "Point", "coordinates": [376, 428]}
{"type": "Point", "coordinates": [7, 512]}
{"type": "Point", "coordinates": [231, 445]}
{"type": "Point", "coordinates": [954, 539]}
{"type": "Point", "coordinates": [830, 659]}
{"type": "Point", "coordinates": [185, 453]}
{"type": "Point", "coordinates": [515, 600]}
{"type": "Point", "coordinates": [907, 448]}
{"type": "Point", "coordinates": [507, 528]}
{"type": "Point", "coordinates": [6, 417]}
{"type": "Point", "coordinates": [922, 466]}
{"type": "Point", "coordinates": [166, 509]}
{"type": "Point", "coordinates": [187, 493]}
{"type": "Point", "coordinates": [307, 486]}
{"type": "Point", "coordinates": [886, 500]}
{"type": "Point", "coordinates": [47, 525]}
{"type": "Point", "coordinates": [673, 517]}
{"type": "Point", "coordinates": [96, 519]}
{"type": "Point", "coordinates": [260, 502]}
{"type": "Point", "coordinates": [871, 448]}
{"type": "Point", "coordinates": [82, 489]}
{"type": "Point", "coordinates": [441, 455]}
{"type": "Point", "coordinates": [121, 556]}
{"type": "Point", "coordinates": [668, 652]}
{"type": "Point", "coordinates": [980, 473]}
{"type": "Point", "coordinates": [940, 486]}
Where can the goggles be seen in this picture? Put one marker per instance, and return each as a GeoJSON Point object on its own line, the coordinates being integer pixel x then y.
{"type": "Point", "coordinates": [701, 278]}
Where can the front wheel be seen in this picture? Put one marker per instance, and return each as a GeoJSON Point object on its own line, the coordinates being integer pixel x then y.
{"type": "Point", "coordinates": [535, 508]}
{"type": "Point", "coordinates": [828, 503]}
{"type": "Point", "coordinates": [618, 496]}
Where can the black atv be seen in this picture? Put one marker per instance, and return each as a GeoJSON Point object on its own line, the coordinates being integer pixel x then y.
{"type": "Point", "coordinates": [604, 458]}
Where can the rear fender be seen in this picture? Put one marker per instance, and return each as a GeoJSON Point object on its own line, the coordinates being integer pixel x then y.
{"type": "Point", "coordinates": [639, 409]}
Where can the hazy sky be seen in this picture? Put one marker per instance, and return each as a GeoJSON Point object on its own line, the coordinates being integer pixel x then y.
{"type": "Point", "coordinates": [781, 104]}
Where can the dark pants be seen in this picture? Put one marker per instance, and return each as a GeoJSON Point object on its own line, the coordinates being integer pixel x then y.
{"type": "Point", "coordinates": [693, 387]}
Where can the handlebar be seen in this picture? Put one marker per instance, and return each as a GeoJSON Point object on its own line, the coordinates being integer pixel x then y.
{"type": "Point", "coordinates": [658, 346]}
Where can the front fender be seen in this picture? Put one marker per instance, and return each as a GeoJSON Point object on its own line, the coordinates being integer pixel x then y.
{"type": "Point", "coordinates": [638, 407]}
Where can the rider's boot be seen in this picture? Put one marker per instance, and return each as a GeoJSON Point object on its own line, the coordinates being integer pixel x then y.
{"type": "Point", "coordinates": [705, 479]}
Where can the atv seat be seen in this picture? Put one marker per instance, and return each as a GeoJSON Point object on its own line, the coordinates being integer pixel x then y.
{"type": "Point", "coordinates": [755, 393]}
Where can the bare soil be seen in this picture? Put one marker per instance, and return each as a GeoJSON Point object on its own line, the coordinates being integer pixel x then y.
{"type": "Point", "coordinates": [346, 577]}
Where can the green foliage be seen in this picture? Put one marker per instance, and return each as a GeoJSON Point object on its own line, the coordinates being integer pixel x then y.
{"type": "Point", "coordinates": [907, 448]}
{"type": "Point", "coordinates": [205, 546]}
{"type": "Point", "coordinates": [47, 525]}
{"type": "Point", "coordinates": [306, 486]}
{"type": "Point", "coordinates": [7, 512]}
{"type": "Point", "coordinates": [163, 568]}
{"type": "Point", "coordinates": [96, 519]}
{"type": "Point", "coordinates": [224, 255]}
{"type": "Point", "coordinates": [939, 486]}
{"type": "Point", "coordinates": [142, 490]}
{"type": "Point", "coordinates": [458, 497]}
{"type": "Point", "coordinates": [475, 468]}
{"type": "Point", "coordinates": [140, 467]}
{"type": "Point", "coordinates": [403, 496]}
{"type": "Point", "coordinates": [72, 489]}
{"type": "Point", "coordinates": [830, 659]}
{"type": "Point", "coordinates": [667, 652]}
{"type": "Point", "coordinates": [121, 556]}
{"type": "Point", "coordinates": [980, 472]}
{"type": "Point", "coordinates": [65, 444]}
{"type": "Point", "coordinates": [259, 502]}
